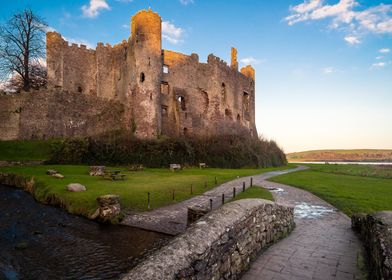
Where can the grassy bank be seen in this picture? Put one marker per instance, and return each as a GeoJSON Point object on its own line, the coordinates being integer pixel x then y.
{"type": "Point", "coordinates": [132, 191]}
{"type": "Point", "coordinates": [337, 185]}
{"type": "Point", "coordinates": [341, 155]}
{"type": "Point", "coordinates": [255, 192]}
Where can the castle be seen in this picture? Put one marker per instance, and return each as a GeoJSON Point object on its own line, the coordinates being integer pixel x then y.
{"type": "Point", "coordinates": [134, 85]}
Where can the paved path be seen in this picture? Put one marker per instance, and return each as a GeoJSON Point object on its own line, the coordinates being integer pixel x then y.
{"type": "Point", "coordinates": [172, 219]}
{"type": "Point", "coordinates": [322, 246]}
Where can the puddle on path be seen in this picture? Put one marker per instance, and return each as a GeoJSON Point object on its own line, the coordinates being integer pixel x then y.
{"type": "Point", "coordinates": [309, 211]}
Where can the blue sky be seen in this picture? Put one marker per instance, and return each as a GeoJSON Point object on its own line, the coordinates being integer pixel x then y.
{"type": "Point", "coordinates": [323, 67]}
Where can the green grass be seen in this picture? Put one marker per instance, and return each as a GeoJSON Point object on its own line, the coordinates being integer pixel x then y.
{"type": "Point", "coordinates": [255, 192]}
{"type": "Point", "coordinates": [348, 193]}
{"type": "Point", "coordinates": [25, 150]}
{"type": "Point", "coordinates": [132, 191]}
{"type": "Point", "coordinates": [377, 171]}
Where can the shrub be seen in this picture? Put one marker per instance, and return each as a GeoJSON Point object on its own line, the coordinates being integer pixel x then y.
{"type": "Point", "coordinates": [224, 151]}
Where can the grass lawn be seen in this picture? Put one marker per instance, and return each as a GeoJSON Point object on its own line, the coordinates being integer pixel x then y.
{"type": "Point", "coordinates": [348, 193]}
{"type": "Point", "coordinates": [133, 190]}
{"type": "Point", "coordinates": [254, 192]}
{"type": "Point", "coordinates": [25, 150]}
{"type": "Point", "coordinates": [378, 171]}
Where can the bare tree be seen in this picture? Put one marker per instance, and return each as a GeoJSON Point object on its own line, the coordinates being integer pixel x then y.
{"type": "Point", "coordinates": [22, 47]}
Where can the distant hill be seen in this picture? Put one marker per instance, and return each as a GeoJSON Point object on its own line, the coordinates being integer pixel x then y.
{"type": "Point", "coordinates": [342, 155]}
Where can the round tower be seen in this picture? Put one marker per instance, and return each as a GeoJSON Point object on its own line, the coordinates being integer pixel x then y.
{"type": "Point", "coordinates": [146, 37]}
{"type": "Point", "coordinates": [146, 30]}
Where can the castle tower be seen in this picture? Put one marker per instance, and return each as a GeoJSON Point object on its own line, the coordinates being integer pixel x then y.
{"type": "Point", "coordinates": [146, 29]}
{"type": "Point", "coordinates": [54, 58]}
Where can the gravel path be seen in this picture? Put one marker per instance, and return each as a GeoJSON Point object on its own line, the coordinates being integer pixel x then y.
{"type": "Point", "coordinates": [322, 246]}
{"type": "Point", "coordinates": [172, 219]}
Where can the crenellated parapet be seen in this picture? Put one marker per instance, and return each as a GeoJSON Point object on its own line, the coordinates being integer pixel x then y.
{"type": "Point", "coordinates": [165, 92]}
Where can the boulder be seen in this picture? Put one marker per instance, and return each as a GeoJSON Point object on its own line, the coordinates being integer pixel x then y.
{"type": "Point", "coordinates": [109, 208]}
{"type": "Point", "coordinates": [58, 176]}
{"type": "Point", "coordinates": [97, 170]}
{"type": "Point", "coordinates": [76, 187]}
{"type": "Point", "coordinates": [51, 172]}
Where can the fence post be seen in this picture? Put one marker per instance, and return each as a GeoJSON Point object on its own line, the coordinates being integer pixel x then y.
{"type": "Point", "coordinates": [216, 181]}
{"type": "Point", "coordinates": [251, 181]}
{"type": "Point", "coordinates": [173, 194]}
{"type": "Point", "coordinates": [210, 204]}
{"type": "Point", "coordinates": [191, 188]}
{"type": "Point", "coordinates": [148, 200]}
{"type": "Point", "coordinates": [223, 198]}
{"type": "Point", "coordinates": [243, 186]}
{"type": "Point", "coordinates": [233, 192]}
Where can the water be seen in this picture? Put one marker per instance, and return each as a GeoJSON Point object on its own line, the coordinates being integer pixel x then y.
{"type": "Point", "coordinates": [308, 211]}
{"type": "Point", "coordinates": [343, 162]}
{"type": "Point", "coordinates": [43, 242]}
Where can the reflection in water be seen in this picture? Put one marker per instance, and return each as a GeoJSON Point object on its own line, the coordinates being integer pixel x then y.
{"type": "Point", "coordinates": [43, 242]}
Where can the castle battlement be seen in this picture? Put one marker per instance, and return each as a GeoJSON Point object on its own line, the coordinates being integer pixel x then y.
{"type": "Point", "coordinates": [163, 92]}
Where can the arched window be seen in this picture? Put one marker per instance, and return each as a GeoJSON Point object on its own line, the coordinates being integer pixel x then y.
{"type": "Point", "coordinates": [142, 77]}
{"type": "Point", "coordinates": [238, 117]}
{"type": "Point", "coordinates": [181, 101]}
{"type": "Point", "coordinates": [223, 91]}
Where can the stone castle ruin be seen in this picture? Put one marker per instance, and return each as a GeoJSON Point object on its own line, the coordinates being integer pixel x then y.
{"type": "Point", "coordinates": [134, 85]}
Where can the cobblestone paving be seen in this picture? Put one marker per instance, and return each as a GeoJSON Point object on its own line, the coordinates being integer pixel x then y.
{"type": "Point", "coordinates": [322, 246]}
{"type": "Point", "coordinates": [172, 219]}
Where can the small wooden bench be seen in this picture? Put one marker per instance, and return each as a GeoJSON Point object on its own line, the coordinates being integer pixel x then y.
{"type": "Point", "coordinates": [175, 166]}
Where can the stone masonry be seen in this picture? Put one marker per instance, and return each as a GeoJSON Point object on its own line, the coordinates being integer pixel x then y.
{"type": "Point", "coordinates": [220, 245]}
{"type": "Point", "coordinates": [162, 92]}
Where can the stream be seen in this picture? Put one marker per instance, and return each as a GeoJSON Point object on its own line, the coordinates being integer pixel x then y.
{"type": "Point", "coordinates": [43, 242]}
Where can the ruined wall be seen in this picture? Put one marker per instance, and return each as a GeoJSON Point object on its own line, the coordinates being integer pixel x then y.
{"type": "Point", "coordinates": [206, 98]}
{"type": "Point", "coordinates": [165, 92]}
{"type": "Point", "coordinates": [50, 114]}
{"type": "Point", "coordinates": [221, 244]}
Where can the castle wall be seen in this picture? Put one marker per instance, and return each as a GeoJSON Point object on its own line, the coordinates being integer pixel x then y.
{"type": "Point", "coordinates": [192, 98]}
{"type": "Point", "coordinates": [51, 114]}
{"type": "Point", "coordinates": [217, 99]}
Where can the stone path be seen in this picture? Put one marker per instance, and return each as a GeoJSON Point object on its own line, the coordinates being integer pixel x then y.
{"type": "Point", "coordinates": [322, 246]}
{"type": "Point", "coordinates": [172, 219]}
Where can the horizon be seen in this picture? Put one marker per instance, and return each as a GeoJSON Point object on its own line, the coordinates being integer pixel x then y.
{"type": "Point", "coordinates": [323, 68]}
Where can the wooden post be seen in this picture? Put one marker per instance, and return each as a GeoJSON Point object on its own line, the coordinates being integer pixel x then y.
{"type": "Point", "coordinates": [191, 188]}
{"type": "Point", "coordinates": [233, 192]}
{"type": "Point", "coordinates": [173, 194]}
{"type": "Point", "coordinates": [148, 200]}
{"type": "Point", "coordinates": [205, 184]}
{"type": "Point", "coordinates": [251, 181]}
{"type": "Point", "coordinates": [243, 186]}
{"type": "Point", "coordinates": [223, 198]}
{"type": "Point", "coordinates": [216, 181]}
{"type": "Point", "coordinates": [210, 204]}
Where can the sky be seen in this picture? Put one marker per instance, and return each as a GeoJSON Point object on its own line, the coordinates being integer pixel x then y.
{"type": "Point", "coordinates": [323, 67]}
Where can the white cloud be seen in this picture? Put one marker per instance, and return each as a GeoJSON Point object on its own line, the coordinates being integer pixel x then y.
{"type": "Point", "coordinates": [93, 9]}
{"type": "Point", "coordinates": [384, 50]}
{"type": "Point", "coordinates": [379, 57]}
{"type": "Point", "coordinates": [172, 33]}
{"type": "Point", "coordinates": [379, 65]}
{"type": "Point", "coordinates": [126, 26]}
{"type": "Point", "coordinates": [328, 70]}
{"type": "Point", "coordinates": [186, 2]}
{"type": "Point", "coordinates": [346, 13]}
{"type": "Point", "coordinates": [352, 40]}
{"type": "Point", "coordinates": [251, 60]}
